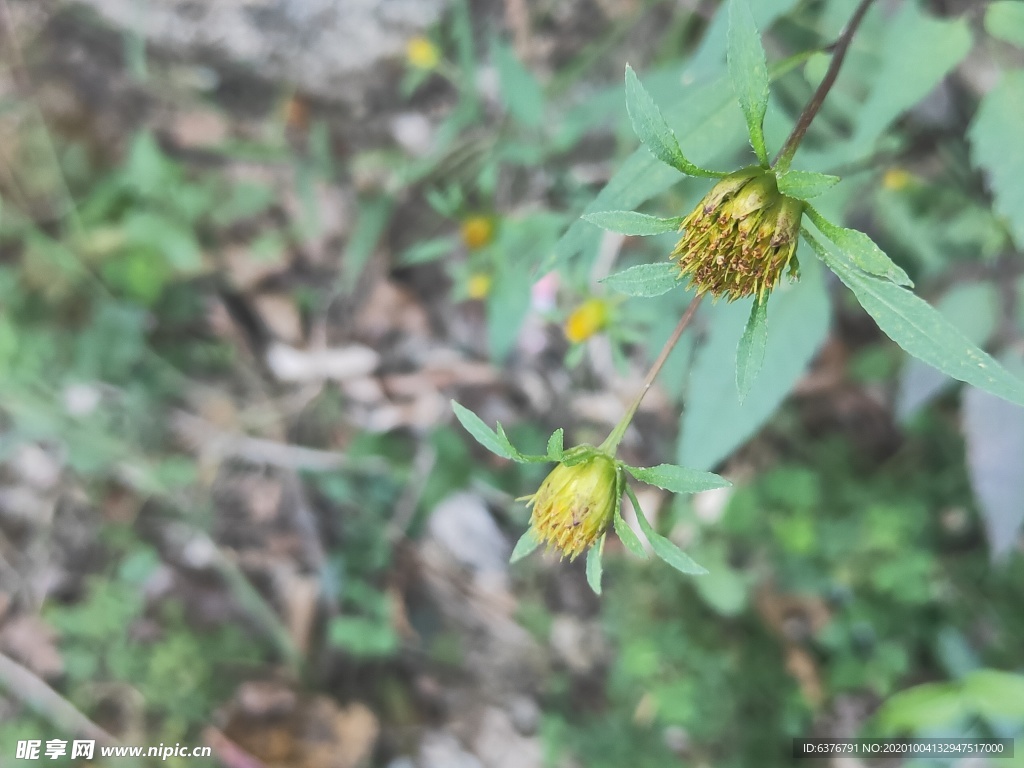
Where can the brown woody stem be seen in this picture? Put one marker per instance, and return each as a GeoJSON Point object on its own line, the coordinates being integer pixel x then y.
{"type": "Point", "coordinates": [839, 48]}
{"type": "Point", "coordinates": [613, 440]}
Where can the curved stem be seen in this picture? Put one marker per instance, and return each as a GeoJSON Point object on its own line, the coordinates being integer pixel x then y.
{"type": "Point", "coordinates": [839, 48]}
{"type": "Point", "coordinates": [613, 439]}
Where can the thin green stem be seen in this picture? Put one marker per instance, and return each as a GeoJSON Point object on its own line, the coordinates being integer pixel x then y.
{"type": "Point", "coordinates": [613, 439]}
{"type": "Point", "coordinates": [785, 156]}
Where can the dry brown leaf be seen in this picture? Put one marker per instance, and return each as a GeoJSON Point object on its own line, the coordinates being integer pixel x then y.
{"type": "Point", "coordinates": [280, 315]}
{"type": "Point", "coordinates": [33, 642]}
{"type": "Point", "coordinates": [245, 270]}
{"type": "Point", "coordinates": [199, 129]}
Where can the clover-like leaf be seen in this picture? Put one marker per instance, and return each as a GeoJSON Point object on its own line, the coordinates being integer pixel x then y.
{"type": "Point", "coordinates": [921, 329]}
{"type": "Point", "coordinates": [664, 548]}
{"type": "Point", "coordinates": [804, 185]}
{"type": "Point", "coordinates": [527, 543]}
{"type": "Point", "coordinates": [555, 445]}
{"type": "Point", "coordinates": [750, 352]}
{"type": "Point", "coordinates": [678, 479]}
{"type": "Point", "coordinates": [594, 568]}
{"type": "Point", "coordinates": [652, 129]}
{"type": "Point", "coordinates": [748, 70]}
{"type": "Point", "coordinates": [860, 249]}
{"type": "Point", "coordinates": [633, 223]}
{"type": "Point", "coordinates": [645, 280]}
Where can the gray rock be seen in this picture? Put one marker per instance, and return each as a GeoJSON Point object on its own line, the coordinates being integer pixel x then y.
{"type": "Point", "coordinates": [461, 524]}
{"type": "Point", "coordinates": [319, 45]}
{"type": "Point", "coordinates": [442, 750]}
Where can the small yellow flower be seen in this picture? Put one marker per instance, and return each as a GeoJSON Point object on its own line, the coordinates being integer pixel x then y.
{"type": "Point", "coordinates": [587, 319]}
{"type": "Point", "coordinates": [477, 231]}
{"type": "Point", "coordinates": [740, 237]}
{"type": "Point", "coordinates": [421, 53]}
{"type": "Point", "coordinates": [479, 286]}
{"type": "Point", "coordinates": [575, 504]}
{"type": "Point", "coordinates": [896, 179]}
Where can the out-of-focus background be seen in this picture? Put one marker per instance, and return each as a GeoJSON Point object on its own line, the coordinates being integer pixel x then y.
{"type": "Point", "coordinates": [251, 249]}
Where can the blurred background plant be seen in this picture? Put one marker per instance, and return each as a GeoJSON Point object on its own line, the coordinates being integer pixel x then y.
{"type": "Point", "coordinates": [246, 260]}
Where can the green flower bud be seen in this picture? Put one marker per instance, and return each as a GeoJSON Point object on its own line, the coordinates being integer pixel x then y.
{"type": "Point", "coordinates": [740, 237]}
{"type": "Point", "coordinates": [575, 504]}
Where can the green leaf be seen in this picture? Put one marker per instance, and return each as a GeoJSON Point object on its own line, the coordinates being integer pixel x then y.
{"type": "Point", "coordinates": [860, 249]}
{"type": "Point", "coordinates": [703, 114]}
{"type": "Point", "coordinates": [482, 433]}
{"type": "Point", "coordinates": [922, 330]}
{"type": "Point", "coordinates": [1005, 20]}
{"type": "Point", "coordinates": [594, 565]}
{"type": "Point", "coordinates": [633, 223]}
{"type": "Point", "coordinates": [748, 70]}
{"type": "Point", "coordinates": [651, 128]}
{"type": "Point", "coordinates": [372, 217]}
{"type": "Point", "coordinates": [678, 479]}
{"type": "Point", "coordinates": [996, 148]}
{"type": "Point", "coordinates": [996, 694]}
{"type": "Point", "coordinates": [426, 251]}
{"type": "Point", "coordinates": [506, 444]}
{"type": "Point", "coordinates": [520, 91]}
{"type": "Point", "coordinates": [555, 445]}
{"type": "Point", "coordinates": [626, 535]}
{"type": "Point", "coordinates": [645, 279]}
{"type": "Point", "coordinates": [713, 424]}
{"type": "Point", "coordinates": [662, 547]}
{"type": "Point", "coordinates": [750, 352]}
{"type": "Point", "coordinates": [527, 543]}
{"type": "Point", "coordinates": [974, 309]}
{"type": "Point", "coordinates": [804, 185]}
{"type": "Point", "coordinates": [931, 705]}
{"type": "Point", "coordinates": [919, 51]}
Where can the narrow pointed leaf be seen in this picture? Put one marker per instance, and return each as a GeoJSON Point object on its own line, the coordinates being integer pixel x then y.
{"type": "Point", "coordinates": [628, 537]}
{"type": "Point", "coordinates": [804, 185]}
{"type": "Point", "coordinates": [664, 548]}
{"type": "Point", "coordinates": [650, 127]}
{"type": "Point", "coordinates": [750, 352]}
{"type": "Point", "coordinates": [506, 444]}
{"type": "Point", "coordinates": [1005, 20]}
{"type": "Point", "coordinates": [527, 543]}
{"type": "Point", "coordinates": [997, 150]}
{"type": "Point", "coordinates": [645, 279]}
{"type": "Point", "coordinates": [555, 445]}
{"type": "Point", "coordinates": [748, 70]}
{"type": "Point", "coordinates": [633, 223]}
{"type": "Point", "coordinates": [594, 568]}
{"type": "Point", "coordinates": [678, 479]}
{"type": "Point", "coordinates": [859, 249]}
{"type": "Point", "coordinates": [922, 330]}
{"type": "Point", "coordinates": [483, 434]}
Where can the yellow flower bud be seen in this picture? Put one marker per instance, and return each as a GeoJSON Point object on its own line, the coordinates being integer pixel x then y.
{"type": "Point", "coordinates": [477, 231]}
{"type": "Point", "coordinates": [479, 286]}
{"type": "Point", "coordinates": [587, 319]}
{"type": "Point", "coordinates": [421, 53]}
{"type": "Point", "coordinates": [575, 504]}
{"type": "Point", "coordinates": [740, 237]}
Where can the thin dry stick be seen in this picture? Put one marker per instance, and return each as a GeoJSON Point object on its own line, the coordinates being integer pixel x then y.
{"type": "Point", "coordinates": [612, 442]}
{"type": "Point", "coordinates": [32, 690]}
{"type": "Point", "coordinates": [785, 156]}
